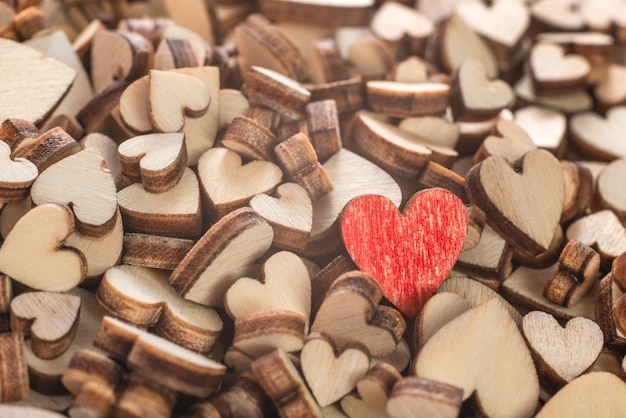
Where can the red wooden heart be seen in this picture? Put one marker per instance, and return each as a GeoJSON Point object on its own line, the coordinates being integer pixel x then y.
{"type": "Point", "coordinates": [408, 255]}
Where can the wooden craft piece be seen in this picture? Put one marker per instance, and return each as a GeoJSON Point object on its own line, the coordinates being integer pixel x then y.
{"type": "Point", "coordinates": [569, 102]}
{"type": "Point", "coordinates": [325, 61]}
{"type": "Point", "coordinates": [144, 396]}
{"type": "Point", "coordinates": [197, 16]}
{"type": "Point", "coordinates": [156, 358]}
{"type": "Point", "coordinates": [179, 53]}
{"type": "Point", "coordinates": [282, 383]}
{"type": "Point", "coordinates": [609, 91]}
{"type": "Point", "coordinates": [158, 161]}
{"type": "Point", "coordinates": [517, 218]}
{"type": "Point", "coordinates": [94, 211]}
{"type": "Point", "coordinates": [349, 313]}
{"type": "Point", "coordinates": [290, 214]}
{"type": "Point", "coordinates": [558, 14]}
{"type": "Point", "coordinates": [405, 100]}
{"type": "Point", "coordinates": [108, 148]}
{"type": "Point", "coordinates": [603, 231]}
{"type": "Point", "coordinates": [369, 55]}
{"type": "Point", "coordinates": [50, 319]}
{"type": "Point", "coordinates": [618, 270]}
{"type": "Point", "coordinates": [397, 23]}
{"type": "Point", "coordinates": [155, 251]}
{"type": "Point", "coordinates": [33, 83]}
{"type": "Point", "coordinates": [250, 139]}
{"type": "Point", "coordinates": [399, 358]}
{"type": "Point", "coordinates": [352, 176]}
{"type": "Point", "coordinates": [134, 107]}
{"type": "Point", "coordinates": [119, 55]}
{"type": "Point", "coordinates": [416, 397]}
{"type": "Point", "coordinates": [329, 373]}
{"type": "Point", "coordinates": [348, 94]}
{"type": "Point", "coordinates": [562, 354]}
{"type": "Point", "coordinates": [237, 183]}
{"type": "Point", "coordinates": [552, 71]}
{"type": "Point", "coordinates": [53, 268]}
{"type": "Point", "coordinates": [262, 44]}
{"type": "Point", "coordinates": [491, 257]}
{"type": "Point", "coordinates": [143, 297]}
{"type": "Point", "coordinates": [609, 313]}
{"type": "Point", "coordinates": [6, 293]}
{"type": "Point", "coordinates": [579, 184]}
{"type": "Point", "coordinates": [608, 184]}
{"type": "Point", "coordinates": [497, 366]}
{"type": "Point", "coordinates": [323, 128]}
{"type": "Point", "coordinates": [437, 176]}
{"type": "Point", "coordinates": [591, 395]}
{"type": "Point", "coordinates": [14, 373]}
{"type": "Point", "coordinates": [175, 212]}
{"type": "Point", "coordinates": [546, 127]}
{"type": "Point", "coordinates": [16, 176]}
{"type": "Point", "coordinates": [440, 309]}
{"type": "Point", "coordinates": [232, 104]}
{"type": "Point", "coordinates": [352, 13]}
{"type": "Point", "coordinates": [512, 143]}
{"type": "Point", "coordinates": [416, 250]}
{"type": "Point", "coordinates": [434, 129]}
{"type": "Point", "coordinates": [221, 256]}
{"type": "Point", "coordinates": [373, 393]}
{"type": "Point", "coordinates": [412, 70]}
{"type": "Point", "coordinates": [276, 91]}
{"type": "Point", "coordinates": [13, 131]}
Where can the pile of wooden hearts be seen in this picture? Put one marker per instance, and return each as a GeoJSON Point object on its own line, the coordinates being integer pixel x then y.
{"type": "Point", "coordinates": [361, 209]}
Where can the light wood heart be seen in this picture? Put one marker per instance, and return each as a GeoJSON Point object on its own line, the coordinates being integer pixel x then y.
{"type": "Point", "coordinates": [599, 137]}
{"type": "Point", "coordinates": [228, 184]}
{"type": "Point", "coordinates": [560, 14]}
{"type": "Point", "coordinates": [611, 88]}
{"type": "Point", "coordinates": [394, 22]}
{"type": "Point", "coordinates": [285, 286]}
{"type": "Point", "coordinates": [440, 309]}
{"type": "Point", "coordinates": [546, 127]}
{"type": "Point", "coordinates": [512, 143]}
{"type": "Point", "coordinates": [503, 23]}
{"type": "Point", "coordinates": [50, 319]}
{"type": "Point", "coordinates": [562, 354]}
{"type": "Point", "coordinates": [373, 392]}
{"type": "Point", "coordinates": [42, 263]}
{"type": "Point", "coordinates": [290, 213]}
{"type": "Point", "coordinates": [331, 374]}
{"type": "Point", "coordinates": [32, 83]}
{"type": "Point", "coordinates": [601, 230]}
{"type": "Point", "coordinates": [483, 352]}
{"type": "Point", "coordinates": [91, 195]}
{"type": "Point", "coordinates": [609, 183]}
{"type": "Point", "coordinates": [523, 202]}
{"type": "Point", "coordinates": [552, 70]}
{"type": "Point", "coordinates": [16, 176]}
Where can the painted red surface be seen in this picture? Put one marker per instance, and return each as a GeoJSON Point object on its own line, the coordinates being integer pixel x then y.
{"type": "Point", "coordinates": [411, 254]}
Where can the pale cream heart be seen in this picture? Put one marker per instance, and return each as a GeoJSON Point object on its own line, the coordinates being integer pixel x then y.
{"type": "Point", "coordinates": [478, 92]}
{"type": "Point", "coordinates": [504, 22]}
{"type": "Point", "coordinates": [548, 63]}
{"type": "Point", "coordinates": [600, 136]}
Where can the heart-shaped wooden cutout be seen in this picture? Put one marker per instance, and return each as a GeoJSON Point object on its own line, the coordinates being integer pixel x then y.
{"type": "Point", "coordinates": [562, 354]}
{"type": "Point", "coordinates": [49, 318]}
{"type": "Point", "coordinates": [91, 195]}
{"type": "Point", "coordinates": [373, 393]}
{"type": "Point", "coordinates": [546, 127]}
{"type": "Point", "coordinates": [41, 262]}
{"type": "Point", "coordinates": [290, 213]}
{"type": "Point", "coordinates": [598, 137]}
{"type": "Point", "coordinates": [523, 202]}
{"type": "Point", "coordinates": [228, 184]}
{"type": "Point", "coordinates": [512, 143]}
{"type": "Point", "coordinates": [608, 185]}
{"type": "Point", "coordinates": [561, 15]}
{"type": "Point", "coordinates": [16, 176]}
{"type": "Point", "coordinates": [552, 70]}
{"type": "Point", "coordinates": [483, 352]}
{"type": "Point", "coordinates": [503, 23]}
{"type": "Point", "coordinates": [331, 374]}
{"type": "Point", "coordinates": [601, 230]}
{"type": "Point", "coordinates": [32, 83]}
{"type": "Point", "coordinates": [409, 254]}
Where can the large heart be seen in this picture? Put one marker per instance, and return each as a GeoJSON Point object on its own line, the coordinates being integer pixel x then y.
{"type": "Point", "coordinates": [408, 255]}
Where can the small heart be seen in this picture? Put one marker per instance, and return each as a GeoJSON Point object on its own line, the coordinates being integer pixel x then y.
{"type": "Point", "coordinates": [373, 393]}
{"type": "Point", "coordinates": [609, 183]}
{"type": "Point", "coordinates": [512, 143]}
{"type": "Point", "coordinates": [483, 352]}
{"type": "Point", "coordinates": [611, 88]}
{"type": "Point", "coordinates": [598, 137]}
{"type": "Point", "coordinates": [545, 127]}
{"type": "Point", "coordinates": [553, 71]}
{"type": "Point", "coordinates": [409, 254]}
{"type": "Point", "coordinates": [331, 374]}
{"type": "Point", "coordinates": [601, 230]}
{"type": "Point", "coordinates": [16, 176]}
{"type": "Point", "coordinates": [562, 15]}
{"type": "Point", "coordinates": [523, 202]}
{"type": "Point", "coordinates": [290, 213]}
{"type": "Point", "coordinates": [562, 354]}
{"type": "Point", "coordinates": [33, 255]}
{"type": "Point", "coordinates": [49, 318]}
{"type": "Point", "coordinates": [504, 23]}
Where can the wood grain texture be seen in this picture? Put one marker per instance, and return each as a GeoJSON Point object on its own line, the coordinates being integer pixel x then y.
{"type": "Point", "coordinates": [405, 100]}
{"type": "Point", "coordinates": [154, 251]}
{"type": "Point", "coordinates": [416, 397]}
{"type": "Point", "coordinates": [344, 13]}
{"type": "Point", "coordinates": [250, 139]}
{"type": "Point", "coordinates": [16, 176]}
{"type": "Point", "coordinates": [13, 371]}
{"type": "Point", "coordinates": [373, 392]}
{"type": "Point", "coordinates": [46, 149]}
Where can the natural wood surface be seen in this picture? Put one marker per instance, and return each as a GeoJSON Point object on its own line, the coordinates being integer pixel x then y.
{"type": "Point", "coordinates": [416, 397]}
{"type": "Point", "coordinates": [154, 251]}
{"type": "Point", "coordinates": [14, 379]}
{"type": "Point", "coordinates": [373, 392]}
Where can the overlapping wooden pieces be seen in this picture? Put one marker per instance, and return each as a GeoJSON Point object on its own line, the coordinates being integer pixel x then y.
{"type": "Point", "coordinates": [440, 309]}
{"type": "Point", "coordinates": [609, 90]}
{"type": "Point", "coordinates": [325, 61]}
{"type": "Point", "coordinates": [405, 100]}
{"type": "Point", "coordinates": [46, 149]}
{"type": "Point", "coordinates": [143, 297]}
{"type": "Point", "coordinates": [227, 184]}
{"type": "Point", "coordinates": [562, 354]}
{"type": "Point", "coordinates": [343, 13]}
{"type": "Point", "coordinates": [415, 250]}
{"type": "Point", "coordinates": [155, 251]}
{"type": "Point", "coordinates": [50, 319]}
{"type": "Point", "coordinates": [33, 83]}
{"type": "Point", "coordinates": [508, 195]}
{"type": "Point", "coordinates": [276, 91]}
{"type": "Point", "coordinates": [158, 359]}
{"type": "Point", "coordinates": [558, 14]}
{"type": "Point", "coordinates": [368, 55]}
{"type": "Point", "coordinates": [602, 231]}
{"type": "Point", "coordinates": [13, 371]}
{"type": "Point", "coordinates": [195, 15]}
{"type": "Point", "coordinates": [474, 97]}
{"type": "Point", "coordinates": [322, 281]}
{"type": "Point", "coordinates": [475, 226]}
{"type": "Point", "coordinates": [119, 55]}
{"type": "Point", "coordinates": [290, 214]}
{"type": "Point", "coordinates": [179, 53]}
{"type": "Point", "coordinates": [157, 160]}
{"type": "Point", "coordinates": [552, 71]}
{"type": "Point", "coordinates": [42, 264]}
{"type": "Point", "coordinates": [373, 393]}
{"type": "Point", "coordinates": [569, 102]}
{"type": "Point", "coordinates": [250, 139]}
{"type": "Point", "coordinates": [546, 127]}
{"type": "Point", "coordinates": [434, 129]}
{"type": "Point", "coordinates": [92, 195]}
{"type": "Point", "coordinates": [608, 185]}
{"type": "Point", "coordinates": [108, 149]}
{"type": "Point", "coordinates": [175, 212]}
{"type": "Point", "coordinates": [144, 396]}
{"type": "Point", "coordinates": [609, 313]}
{"type": "Point", "coordinates": [16, 176]}
{"type": "Point", "coordinates": [348, 94]}
{"type": "Point", "coordinates": [232, 104]}
{"type": "Point", "coordinates": [598, 137]}
{"type": "Point", "coordinates": [134, 105]}
{"type": "Point", "coordinates": [262, 44]}
{"type": "Point", "coordinates": [323, 128]}
{"type": "Point", "coordinates": [578, 190]}
{"type": "Point", "coordinates": [595, 46]}
{"type": "Point", "coordinates": [497, 366]}
{"type": "Point", "coordinates": [512, 143]}
{"type": "Point", "coordinates": [417, 397]}
{"type": "Point", "coordinates": [397, 23]}
{"type": "Point", "coordinates": [221, 256]}
{"type": "Point", "coordinates": [349, 313]}
{"type": "Point", "coordinates": [13, 131]}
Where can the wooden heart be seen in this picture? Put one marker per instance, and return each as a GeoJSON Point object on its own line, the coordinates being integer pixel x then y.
{"type": "Point", "coordinates": [50, 319]}
{"type": "Point", "coordinates": [331, 374]}
{"type": "Point", "coordinates": [483, 352]}
{"type": "Point", "coordinates": [546, 127]}
{"type": "Point", "coordinates": [415, 397]}
{"type": "Point", "coordinates": [562, 354]}
{"type": "Point", "coordinates": [228, 184]}
{"type": "Point", "coordinates": [552, 70]}
{"type": "Point", "coordinates": [42, 263]}
{"type": "Point", "coordinates": [598, 137]}
{"type": "Point", "coordinates": [523, 202]}
{"type": "Point", "coordinates": [409, 254]}
{"type": "Point", "coordinates": [563, 15]}
{"type": "Point", "coordinates": [290, 213]}
{"type": "Point", "coordinates": [601, 230]}
{"type": "Point", "coordinates": [16, 176]}
{"type": "Point", "coordinates": [608, 185]}
{"type": "Point", "coordinates": [373, 393]}
{"type": "Point", "coordinates": [611, 88]}
{"type": "Point", "coordinates": [512, 143]}
{"type": "Point", "coordinates": [503, 23]}
{"type": "Point", "coordinates": [91, 195]}
{"type": "Point", "coordinates": [393, 22]}
{"type": "Point", "coordinates": [32, 83]}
